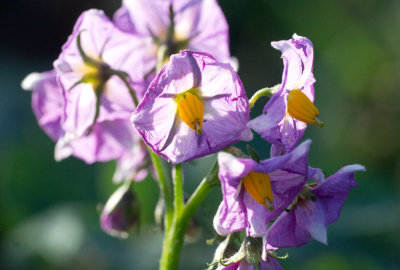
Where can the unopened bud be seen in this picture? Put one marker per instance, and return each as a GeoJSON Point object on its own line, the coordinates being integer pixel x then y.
{"type": "Point", "coordinates": [253, 247]}
{"type": "Point", "coordinates": [121, 212]}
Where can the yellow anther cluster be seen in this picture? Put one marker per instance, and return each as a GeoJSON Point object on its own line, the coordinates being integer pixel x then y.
{"type": "Point", "coordinates": [258, 185]}
{"type": "Point", "coordinates": [300, 107]}
{"type": "Point", "coordinates": [89, 73]}
{"type": "Point", "coordinates": [190, 110]}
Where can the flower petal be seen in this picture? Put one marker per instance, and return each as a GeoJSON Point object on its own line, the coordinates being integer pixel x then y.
{"type": "Point", "coordinates": [332, 193]}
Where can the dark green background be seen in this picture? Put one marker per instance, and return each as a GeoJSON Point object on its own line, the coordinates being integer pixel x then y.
{"type": "Point", "coordinates": [49, 210]}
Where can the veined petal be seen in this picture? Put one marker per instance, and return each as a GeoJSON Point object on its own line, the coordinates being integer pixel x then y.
{"type": "Point", "coordinates": [205, 24]}
{"type": "Point", "coordinates": [224, 116]}
{"type": "Point", "coordinates": [148, 16]}
{"type": "Point", "coordinates": [200, 23]}
{"type": "Point", "coordinates": [298, 57]}
{"type": "Point", "coordinates": [80, 109]}
{"type": "Point", "coordinates": [182, 74]}
{"type": "Point", "coordinates": [219, 79]}
{"type": "Point", "coordinates": [156, 120]}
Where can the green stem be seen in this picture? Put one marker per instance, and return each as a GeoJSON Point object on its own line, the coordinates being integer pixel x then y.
{"type": "Point", "coordinates": [175, 236]}
{"type": "Point", "coordinates": [178, 190]}
{"type": "Point", "coordinates": [202, 190]}
{"type": "Point", "coordinates": [267, 91]}
{"type": "Point", "coordinates": [165, 188]}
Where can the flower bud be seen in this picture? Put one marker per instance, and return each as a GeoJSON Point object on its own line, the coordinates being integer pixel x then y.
{"type": "Point", "coordinates": [121, 212]}
{"type": "Point", "coordinates": [252, 249]}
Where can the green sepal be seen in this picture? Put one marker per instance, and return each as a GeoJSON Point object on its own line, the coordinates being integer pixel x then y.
{"type": "Point", "coordinates": [99, 91]}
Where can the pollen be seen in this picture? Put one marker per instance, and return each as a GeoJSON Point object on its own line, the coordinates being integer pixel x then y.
{"type": "Point", "coordinates": [190, 110]}
{"type": "Point", "coordinates": [300, 107]}
{"type": "Point", "coordinates": [258, 185]}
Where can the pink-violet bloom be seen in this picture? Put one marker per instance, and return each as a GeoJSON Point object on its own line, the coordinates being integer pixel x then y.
{"type": "Point", "coordinates": [285, 116]}
{"type": "Point", "coordinates": [198, 25]}
{"type": "Point", "coordinates": [256, 192]}
{"type": "Point", "coordinates": [318, 206]}
{"type": "Point", "coordinates": [108, 140]}
{"type": "Point", "coordinates": [86, 72]}
{"type": "Point", "coordinates": [194, 107]}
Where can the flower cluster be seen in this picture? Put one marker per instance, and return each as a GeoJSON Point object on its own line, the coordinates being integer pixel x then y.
{"type": "Point", "coordinates": [156, 81]}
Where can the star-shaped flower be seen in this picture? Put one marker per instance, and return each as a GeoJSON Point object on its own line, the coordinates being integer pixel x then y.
{"type": "Point", "coordinates": [194, 107]}
{"type": "Point", "coordinates": [256, 192]}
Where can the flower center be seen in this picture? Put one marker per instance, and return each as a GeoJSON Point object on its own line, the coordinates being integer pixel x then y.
{"type": "Point", "coordinates": [190, 110]}
{"type": "Point", "coordinates": [258, 185]}
{"type": "Point", "coordinates": [93, 74]}
{"type": "Point", "coordinates": [300, 107]}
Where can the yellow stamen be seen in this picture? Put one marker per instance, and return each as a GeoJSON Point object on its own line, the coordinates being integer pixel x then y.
{"type": "Point", "coordinates": [85, 69]}
{"type": "Point", "coordinates": [300, 107]}
{"type": "Point", "coordinates": [190, 110]}
{"type": "Point", "coordinates": [258, 185]}
{"type": "Point", "coordinates": [89, 73]}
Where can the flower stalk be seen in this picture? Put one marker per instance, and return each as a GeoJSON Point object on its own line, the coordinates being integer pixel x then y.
{"type": "Point", "coordinates": [174, 236]}
{"type": "Point", "coordinates": [267, 91]}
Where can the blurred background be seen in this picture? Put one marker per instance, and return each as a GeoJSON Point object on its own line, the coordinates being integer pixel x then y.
{"type": "Point", "coordinates": [49, 217]}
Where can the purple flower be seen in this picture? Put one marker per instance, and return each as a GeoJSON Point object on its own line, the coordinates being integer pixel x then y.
{"type": "Point", "coordinates": [194, 107]}
{"type": "Point", "coordinates": [317, 207]}
{"type": "Point", "coordinates": [87, 77]}
{"type": "Point", "coordinates": [47, 102]}
{"type": "Point", "coordinates": [287, 113]}
{"type": "Point", "coordinates": [255, 193]}
{"type": "Point", "coordinates": [197, 24]}
{"type": "Point", "coordinates": [121, 212]}
{"type": "Point", "coordinates": [108, 140]}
